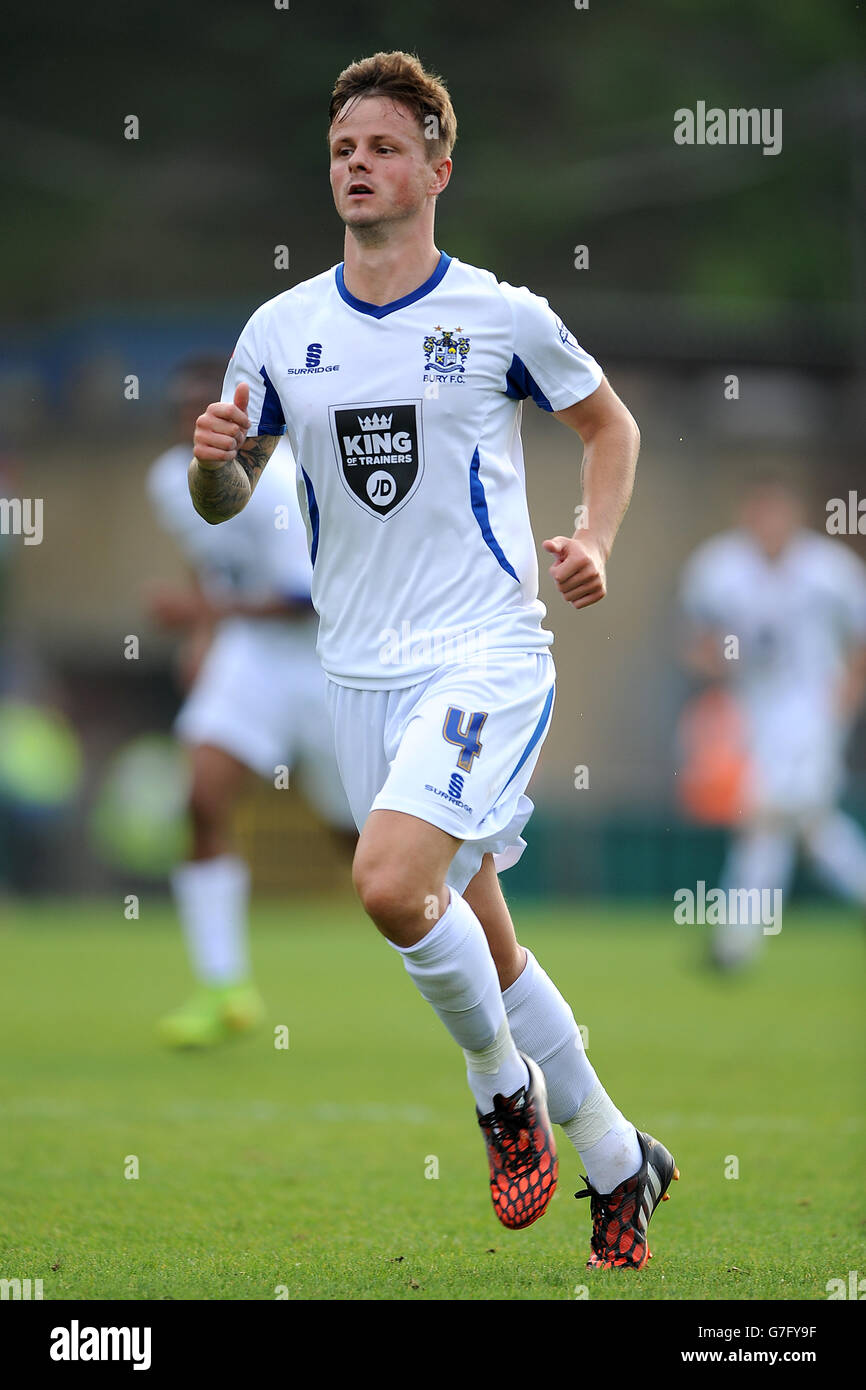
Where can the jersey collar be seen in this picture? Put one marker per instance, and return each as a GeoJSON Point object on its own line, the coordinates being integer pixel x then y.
{"type": "Point", "coordinates": [379, 311]}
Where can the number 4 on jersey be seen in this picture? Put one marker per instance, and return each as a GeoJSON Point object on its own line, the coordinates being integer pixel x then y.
{"type": "Point", "coordinates": [466, 739]}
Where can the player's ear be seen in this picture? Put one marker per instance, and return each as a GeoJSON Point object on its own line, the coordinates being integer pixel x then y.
{"type": "Point", "coordinates": [440, 171]}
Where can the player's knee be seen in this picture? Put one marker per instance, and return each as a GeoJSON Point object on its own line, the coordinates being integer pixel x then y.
{"type": "Point", "coordinates": [386, 892]}
{"type": "Point", "coordinates": [208, 811]}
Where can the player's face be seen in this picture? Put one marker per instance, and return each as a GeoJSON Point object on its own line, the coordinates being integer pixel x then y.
{"type": "Point", "coordinates": [380, 171]}
{"type": "Point", "coordinates": [772, 515]}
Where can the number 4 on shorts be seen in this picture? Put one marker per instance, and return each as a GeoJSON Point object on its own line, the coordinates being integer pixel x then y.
{"type": "Point", "coordinates": [466, 738]}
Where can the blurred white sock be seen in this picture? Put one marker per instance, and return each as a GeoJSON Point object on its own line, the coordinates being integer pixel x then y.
{"type": "Point", "coordinates": [212, 897]}
{"type": "Point", "coordinates": [838, 846]}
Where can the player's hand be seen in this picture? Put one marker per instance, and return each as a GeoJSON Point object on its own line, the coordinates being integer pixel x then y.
{"type": "Point", "coordinates": [578, 570]}
{"type": "Point", "coordinates": [222, 429]}
{"type": "Point", "coordinates": [192, 655]}
{"type": "Point", "coordinates": [173, 607]}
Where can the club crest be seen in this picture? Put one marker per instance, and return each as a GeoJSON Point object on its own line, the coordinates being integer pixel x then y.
{"type": "Point", "coordinates": [446, 351]}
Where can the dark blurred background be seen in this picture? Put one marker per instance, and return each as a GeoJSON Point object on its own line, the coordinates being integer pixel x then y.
{"type": "Point", "coordinates": [121, 256]}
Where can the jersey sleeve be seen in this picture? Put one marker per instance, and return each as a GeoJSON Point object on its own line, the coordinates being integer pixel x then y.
{"type": "Point", "coordinates": [159, 495]}
{"type": "Point", "coordinates": [285, 545]}
{"type": "Point", "coordinates": [548, 362]}
{"type": "Point", "coordinates": [155, 498]}
{"type": "Point", "coordinates": [247, 364]}
{"type": "Point", "coordinates": [700, 590]}
{"type": "Point", "coordinates": [850, 585]}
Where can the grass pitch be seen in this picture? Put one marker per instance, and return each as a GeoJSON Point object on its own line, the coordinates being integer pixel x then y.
{"type": "Point", "coordinates": [307, 1172]}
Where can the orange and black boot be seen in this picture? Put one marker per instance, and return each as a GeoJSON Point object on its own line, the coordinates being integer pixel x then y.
{"type": "Point", "coordinates": [620, 1218]}
{"type": "Point", "coordinates": [521, 1152]}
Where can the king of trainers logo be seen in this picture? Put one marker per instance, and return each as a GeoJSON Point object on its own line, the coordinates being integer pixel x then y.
{"type": "Point", "coordinates": [736, 907]}
{"type": "Point", "coordinates": [736, 126]}
{"type": "Point", "coordinates": [77, 1343]}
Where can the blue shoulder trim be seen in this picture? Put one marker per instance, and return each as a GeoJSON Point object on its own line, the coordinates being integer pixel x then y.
{"type": "Point", "coordinates": [520, 383]}
{"type": "Point", "coordinates": [272, 420]}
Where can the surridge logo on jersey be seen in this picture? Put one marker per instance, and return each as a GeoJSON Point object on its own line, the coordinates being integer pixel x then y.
{"type": "Point", "coordinates": [446, 355]}
{"type": "Point", "coordinates": [313, 362]}
{"type": "Point", "coordinates": [380, 452]}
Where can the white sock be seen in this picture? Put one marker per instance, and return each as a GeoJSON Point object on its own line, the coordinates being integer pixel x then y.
{"type": "Point", "coordinates": [211, 897]}
{"type": "Point", "coordinates": [453, 970]}
{"type": "Point", "coordinates": [542, 1025]}
{"type": "Point", "coordinates": [606, 1141]}
{"type": "Point", "coordinates": [838, 847]}
{"type": "Point", "coordinates": [761, 857]}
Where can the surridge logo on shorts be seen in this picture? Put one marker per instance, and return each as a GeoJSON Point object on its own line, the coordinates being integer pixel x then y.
{"type": "Point", "coordinates": [455, 785]}
{"type": "Point", "coordinates": [380, 453]}
{"type": "Point", "coordinates": [454, 793]}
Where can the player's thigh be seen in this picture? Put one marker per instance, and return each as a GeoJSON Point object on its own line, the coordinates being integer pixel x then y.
{"type": "Point", "coordinates": [463, 748]}
{"type": "Point", "coordinates": [238, 699]}
{"type": "Point", "coordinates": [217, 779]}
{"type": "Point", "coordinates": [310, 730]}
{"type": "Point", "coordinates": [358, 720]}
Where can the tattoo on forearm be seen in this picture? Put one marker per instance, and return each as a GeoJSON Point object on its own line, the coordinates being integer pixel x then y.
{"type": "Point", "coordinates": [254, 455]}
{"type": "Point", "coordinates": [220, 493]}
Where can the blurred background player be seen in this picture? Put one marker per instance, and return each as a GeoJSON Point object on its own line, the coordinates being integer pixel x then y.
{"type": "Point", "coordinates": [255, 702]}
{"type": "Point", "coordinates": [795, 601]}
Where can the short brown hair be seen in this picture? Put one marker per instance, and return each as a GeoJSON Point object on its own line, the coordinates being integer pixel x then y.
{"type": "Point", "coordinates": [402, 77]}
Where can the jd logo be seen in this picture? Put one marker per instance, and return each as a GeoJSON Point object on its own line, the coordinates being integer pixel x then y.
{"type": "Point", "coordinates": [380, 453]}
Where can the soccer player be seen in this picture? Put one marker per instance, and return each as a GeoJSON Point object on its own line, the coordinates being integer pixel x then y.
{"type": "Point", "coordinates": [795, 601]}
{"type": "Point", "coordinates": [400, 376]}
{"type": "Point", "coordinates": [257, 702]}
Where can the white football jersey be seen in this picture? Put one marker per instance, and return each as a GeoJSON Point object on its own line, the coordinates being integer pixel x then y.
{"type": "Point", "coordinates": [795, 619]}
{"type": "Point", "coordinates": [405, 422]}
{"type": "Point", "coordinates": [259, 554]}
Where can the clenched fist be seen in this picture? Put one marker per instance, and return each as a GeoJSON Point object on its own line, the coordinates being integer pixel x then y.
{"type": "Point", "coordinates": [222, 429]}
{"type": "Point", "coordinates": [579, 570]}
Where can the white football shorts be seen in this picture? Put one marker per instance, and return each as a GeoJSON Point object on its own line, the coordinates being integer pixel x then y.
{"type": "Point", "coordinates": [260, 696]}
{"type": "Point", "coordinates": [457, 750]}
{"type": "Point", "coordinates": [796, 751]}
